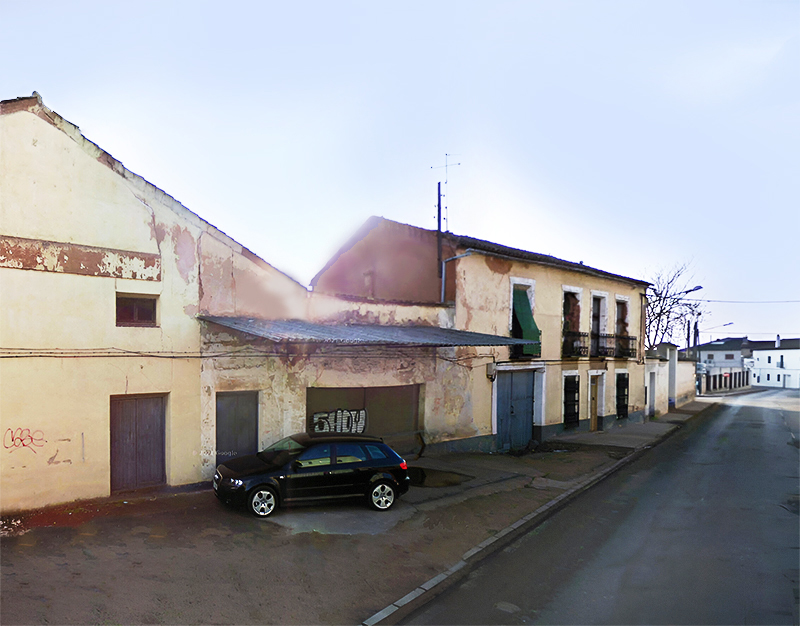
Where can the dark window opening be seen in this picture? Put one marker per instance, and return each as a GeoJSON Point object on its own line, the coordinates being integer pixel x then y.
{"type": "Point", "coordinates": [571, 401]}
{"type": "Point", "coordinates": [728, 357]}
{"type": "Point", "coordinates": [523, 326]}
{"type": "Point", "coordinates": [622, 396]}
{"type": "Point", "coordinates": [136, 311]}
{"type": "Point", "coordinates": [575, 343]}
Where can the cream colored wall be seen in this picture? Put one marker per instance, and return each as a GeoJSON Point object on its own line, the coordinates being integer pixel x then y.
{"type": "Point", "coordinates": [686, 390]}
{"type": "Point", "coordinates": [483, 301]}
{"type": "Point", "coordinates": [57, 186]}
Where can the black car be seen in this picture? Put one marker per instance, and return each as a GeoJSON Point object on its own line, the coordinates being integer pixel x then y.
{"type": "Point", "coordinates": [304, 468]}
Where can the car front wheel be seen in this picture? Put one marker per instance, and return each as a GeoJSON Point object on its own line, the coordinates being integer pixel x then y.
{"type": "Point", "coordinates": [263, 501]}
{"type": "Point", "coordinates": [382, 496]}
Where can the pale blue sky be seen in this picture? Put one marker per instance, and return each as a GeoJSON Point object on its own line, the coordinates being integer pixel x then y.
{"type": "Point", "coordinates": [627, 135]}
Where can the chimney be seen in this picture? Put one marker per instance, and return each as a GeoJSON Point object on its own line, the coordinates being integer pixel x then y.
{"type": "Point", "coordinates": [778, 342]}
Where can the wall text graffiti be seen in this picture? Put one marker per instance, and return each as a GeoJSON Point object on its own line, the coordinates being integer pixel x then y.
{"type": "Point", "coordinates": [14, 439]}
{"type": "Point", "coordinates": [340, 421]}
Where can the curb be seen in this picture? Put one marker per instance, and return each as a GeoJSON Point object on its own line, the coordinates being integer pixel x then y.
{"type": "Point", "coordinates": [427, 591]}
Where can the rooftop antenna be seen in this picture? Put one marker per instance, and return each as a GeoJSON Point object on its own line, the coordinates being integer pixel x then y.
{"type": "Point", "coordinates": [446, 166]}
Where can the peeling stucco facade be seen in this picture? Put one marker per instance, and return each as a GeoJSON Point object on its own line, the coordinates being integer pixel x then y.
{"type": "Point", "coordinates": [79, 230]}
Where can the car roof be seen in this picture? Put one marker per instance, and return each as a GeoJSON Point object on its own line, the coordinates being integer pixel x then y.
{"type": "Point", "coordinates": [307, 439]}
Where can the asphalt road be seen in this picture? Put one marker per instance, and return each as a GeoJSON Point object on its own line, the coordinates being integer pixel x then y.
{"type": "Point", "coordinates": [701, 530]}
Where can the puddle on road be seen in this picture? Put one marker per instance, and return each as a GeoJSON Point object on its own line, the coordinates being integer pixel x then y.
{"type": "Point", "coordinates": [424, 477]}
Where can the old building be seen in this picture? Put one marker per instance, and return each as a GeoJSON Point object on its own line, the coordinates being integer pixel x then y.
{"type": "Point", "coordinates": [588, 370]}
{"type": "Point", "coordinates": [139, 344]}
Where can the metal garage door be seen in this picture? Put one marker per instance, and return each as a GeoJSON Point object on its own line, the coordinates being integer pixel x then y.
{"type": "Point", "coordinates": [237, 424]}
{"type": "Point", "coordinates": [137, 442]}
{"type": "Point", "coordinates": [388, 412]}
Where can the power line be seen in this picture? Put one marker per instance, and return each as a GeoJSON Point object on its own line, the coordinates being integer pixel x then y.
{"type": "Point", "coordinates": [746, 301]}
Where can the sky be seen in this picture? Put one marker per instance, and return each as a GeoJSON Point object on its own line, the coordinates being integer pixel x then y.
{"type": "Point", "coordinates": [634, 136]}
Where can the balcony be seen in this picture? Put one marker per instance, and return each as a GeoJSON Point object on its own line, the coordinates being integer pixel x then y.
{"type": "Point", "coordinates": [575, 344]}
{"type": "Point", "coordinates": [625, 346]}
{"type": "Point", "coordinates": [602, 345]}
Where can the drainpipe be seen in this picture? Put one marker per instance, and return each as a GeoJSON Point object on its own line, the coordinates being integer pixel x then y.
{"type": "Point", "coordinates": [444, 267]}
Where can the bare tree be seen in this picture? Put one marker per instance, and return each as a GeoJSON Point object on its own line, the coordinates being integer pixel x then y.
{"type": "Point", "coordinates": [669, 313]}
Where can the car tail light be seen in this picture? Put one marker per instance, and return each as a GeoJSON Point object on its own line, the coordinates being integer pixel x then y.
{"type": "Point", "coordinates": [403, 465]}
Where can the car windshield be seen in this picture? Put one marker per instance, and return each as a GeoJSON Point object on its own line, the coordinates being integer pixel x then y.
{"type": "Point", "coordinates": [286, 444]}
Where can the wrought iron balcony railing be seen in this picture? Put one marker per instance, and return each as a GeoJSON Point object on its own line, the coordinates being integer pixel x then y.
{"type": "Point", "coordinates": [575, 344]}
{"type": "Point", "coordinates": [625, 346]}
{"type": "Point", "coordinates": [602, 345]}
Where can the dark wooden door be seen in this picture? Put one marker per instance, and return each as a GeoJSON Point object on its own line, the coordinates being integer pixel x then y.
{"type": "Point", "coordinates": [514, 409]}
{"type": "Point", "coordinates": [237, 424]}
{"type": "Point", "coordinates": [138, 445]}
{"type": "Point", "coordinates": [622, 396]}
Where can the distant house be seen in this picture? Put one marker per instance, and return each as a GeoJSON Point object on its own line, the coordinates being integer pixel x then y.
{"type": "Point", "coordinates": [587, 370]}
{"type": "Point", "coordinates": [722, 365]}
{"type": "Point", "coordinates": [775, 363]}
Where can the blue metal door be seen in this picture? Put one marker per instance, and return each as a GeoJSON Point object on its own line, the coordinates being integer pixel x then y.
{"type": "Point", "coordinates": [514, 410]}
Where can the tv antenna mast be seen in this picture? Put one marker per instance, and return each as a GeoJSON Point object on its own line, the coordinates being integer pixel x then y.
{"type": "Point", "coordinates": [447, 165]}
{"type": "Point", "coordinates": [439, 210]}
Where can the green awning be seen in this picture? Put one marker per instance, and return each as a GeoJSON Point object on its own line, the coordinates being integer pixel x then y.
{"type": "Point", "coordinates": [522, 311]}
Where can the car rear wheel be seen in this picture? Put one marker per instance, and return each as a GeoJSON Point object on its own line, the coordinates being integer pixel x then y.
{"type": "Point", "coordinates": [382, 496]}
{"type": "Point", "coordinates": [263, 501]}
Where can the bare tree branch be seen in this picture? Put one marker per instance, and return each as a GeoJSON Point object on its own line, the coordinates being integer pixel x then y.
{"type": "Point", "coordinates": [668, 310]}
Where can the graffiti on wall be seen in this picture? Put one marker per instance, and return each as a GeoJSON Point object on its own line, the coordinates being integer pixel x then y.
{"type": "Point", "coordinates": [16, 439]}
{"type": "Point", "coordinates": [339, 421]}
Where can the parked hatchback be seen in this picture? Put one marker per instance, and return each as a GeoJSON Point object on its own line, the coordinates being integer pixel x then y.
{"type": "Point", "coordinates": [304, 468]}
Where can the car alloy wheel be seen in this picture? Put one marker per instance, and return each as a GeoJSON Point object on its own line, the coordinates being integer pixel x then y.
{"type": "Point", "coordinates": [263, 501]}
{"type": "Point", "coordinates": [382, 496]}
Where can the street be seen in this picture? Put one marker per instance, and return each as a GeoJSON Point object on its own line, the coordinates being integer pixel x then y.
{"type": "Point", "coordinates": [701, 530]}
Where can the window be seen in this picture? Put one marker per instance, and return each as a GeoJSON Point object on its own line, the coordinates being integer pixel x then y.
{"type": "Point", "coordinates": [729, 357]}
{"type": "Point", "coordinates": [136, 311]}
{"type": "Point", "coordinates": [349, 453]}
{"type": "Point", "coordinates": [767, 376]}
{"type": "Point", "coordinates": [710, 357]}
{"type": "Point", "coordinates": [779, 378]}
{"type": "Point", "coordinates": [375, 452]}
{"type": "Point", "coordinates": [769, 359]}
{"type": "Point", "coordinates": [315, 457]}
{"type": "Point", "coordinates": [523, 326]}
{"type": "Point", "coordinates": [571, 398]}
{"type": "Point", "coordinates": [622, 317]}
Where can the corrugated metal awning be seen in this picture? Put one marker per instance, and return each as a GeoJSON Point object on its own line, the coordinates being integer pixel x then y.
{"type": "Point", "coordinates": [299, 331]}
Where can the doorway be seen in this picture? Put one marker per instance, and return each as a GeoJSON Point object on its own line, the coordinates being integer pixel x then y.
{"type": "Point", "coordinates": [514, 409]}
{"type": "Point", "coordinates": [595, 419]}
{"type": "Point", "coordinates": [138, 444]}
{"type": "Point", "coordinates": [237, 424]}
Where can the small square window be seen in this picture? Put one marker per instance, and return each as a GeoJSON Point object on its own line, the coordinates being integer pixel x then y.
{"type": "Point", "coordinates": [136, 311]}
{"type": "Point", "coordinates": [729, 357]}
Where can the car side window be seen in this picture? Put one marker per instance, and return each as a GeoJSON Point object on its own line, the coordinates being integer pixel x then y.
{"type": "Point", "coordinates": [375, 452]}
{"type": "Point", "coordinates": [349, 453]}
{"type": "Point", "coordinates": [315, 456]}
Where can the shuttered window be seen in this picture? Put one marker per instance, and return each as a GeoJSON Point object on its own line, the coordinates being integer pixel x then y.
{"type": "Point", "coordinates": [524, 326]}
